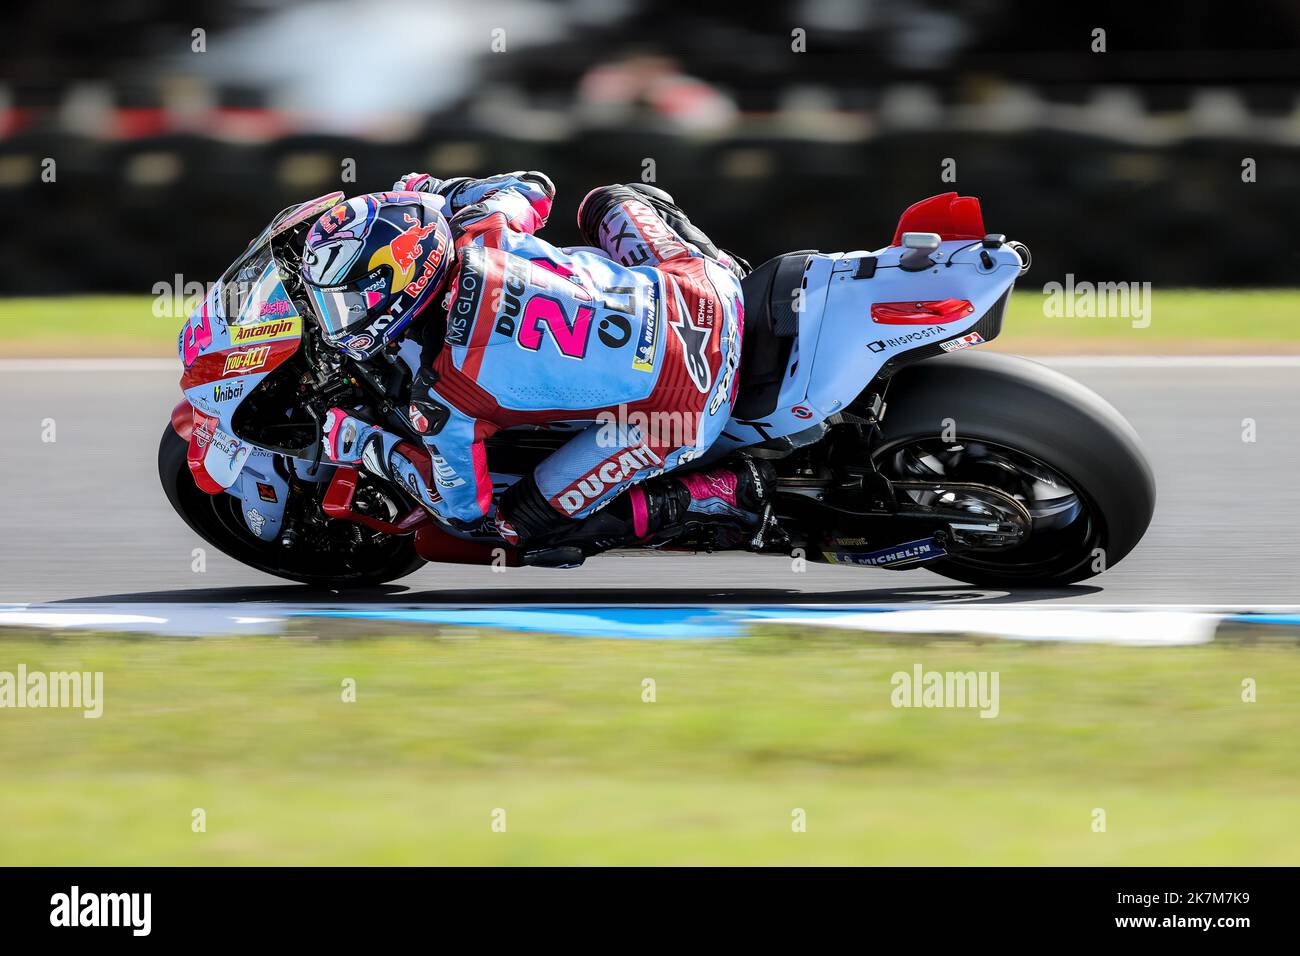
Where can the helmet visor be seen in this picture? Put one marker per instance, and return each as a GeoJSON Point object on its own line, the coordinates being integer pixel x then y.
{"type": "Point", "coordinates": [339, 309]}
{"type": "Point", "coordinates": [348, 308]}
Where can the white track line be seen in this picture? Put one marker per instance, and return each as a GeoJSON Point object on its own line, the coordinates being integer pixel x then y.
{"type": "Point", "coordinates": [47, 365]}
{"type": "Point", "coordinates": [1141, 628]}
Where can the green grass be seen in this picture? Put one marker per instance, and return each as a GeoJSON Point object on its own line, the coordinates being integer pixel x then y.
{"type": "Point", "coordinates": [1184, 320]}
{"type": "Point", "coordinates": [554, 731]}
{"type": "Point", "coordinates": [1181, 321]}
{"type": "Point", "coordinates": [86, 326]}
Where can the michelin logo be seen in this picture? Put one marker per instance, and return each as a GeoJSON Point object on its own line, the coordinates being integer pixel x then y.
{"type": "Point", "coordinates": [913, 552]}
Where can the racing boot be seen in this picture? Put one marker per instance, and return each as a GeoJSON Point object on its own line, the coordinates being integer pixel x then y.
{"type": "Point", "coordinates": [351, 441]}
{"type": "Point", "coordinates": [731, 502]}
{"type": "Point", "coordinates": [734, 502]}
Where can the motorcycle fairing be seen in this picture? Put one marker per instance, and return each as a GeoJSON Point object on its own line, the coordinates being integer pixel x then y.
{"type": "Point", "coordinates": [839, 349]}
{"type": "Point", "coordinates": [241, 350]}
{"type": "Point", "coordinates": [263, 494]}
{"type": "Point", "coordinates": [215, 455]}
{"type": "Point", "coordinates": [245, 327]}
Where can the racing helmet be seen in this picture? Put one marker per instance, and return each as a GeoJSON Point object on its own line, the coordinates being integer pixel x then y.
{"type": "Point", "coordinates": [371, 264]}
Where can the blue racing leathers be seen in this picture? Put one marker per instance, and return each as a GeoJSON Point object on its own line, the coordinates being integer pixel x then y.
{"type": "Point", "coordinates": [639, 347]}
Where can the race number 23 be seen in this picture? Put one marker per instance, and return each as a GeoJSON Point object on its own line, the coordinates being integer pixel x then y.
{"type": "Point", "coordinates": [198, 336]}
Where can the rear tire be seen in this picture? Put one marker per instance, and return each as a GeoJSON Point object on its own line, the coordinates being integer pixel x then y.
{"type": "Point", "coordinates": [1036, 411]}
{"type": "Point", "coordinates": [394, 558]}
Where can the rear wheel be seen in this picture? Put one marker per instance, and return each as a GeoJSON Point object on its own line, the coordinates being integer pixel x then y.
{"type": "Point", "coordinates": [343, 555]}
{"type": "Point", "coordinates": [1039, 436]}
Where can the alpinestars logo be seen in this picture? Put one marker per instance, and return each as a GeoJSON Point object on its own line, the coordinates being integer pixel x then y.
{"type": "Point", "coordinates": [693, 339]}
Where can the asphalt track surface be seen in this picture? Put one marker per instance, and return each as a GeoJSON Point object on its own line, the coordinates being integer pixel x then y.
{"type": "Point", "coordinates": [86, 521]}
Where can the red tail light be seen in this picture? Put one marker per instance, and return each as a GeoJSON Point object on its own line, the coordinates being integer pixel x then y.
{"type": "Point", "coordinates": [934, 312]}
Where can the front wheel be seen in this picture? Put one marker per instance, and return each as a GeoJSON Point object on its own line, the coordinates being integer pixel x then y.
{"type": "Point", "coordinates": [349, 557]}
{"type": "Point", "coordinates": [1054, 445]}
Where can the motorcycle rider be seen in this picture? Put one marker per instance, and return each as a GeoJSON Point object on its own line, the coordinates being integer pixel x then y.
{"type": "Point", "coordinates": [518, 332]}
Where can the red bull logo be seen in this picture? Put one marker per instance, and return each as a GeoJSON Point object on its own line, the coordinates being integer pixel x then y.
{"type": "Point", "coordinates": [404, 251]}
{"type": "Point", "coordinates": [430, 267]}
{"type": "Point", "coordinates": [408, 246]}
{"type": "Point", "coordinates": [335, 218]}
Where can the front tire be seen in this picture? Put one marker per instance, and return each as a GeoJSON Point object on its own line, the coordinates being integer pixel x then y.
{"type": "Point", "coordinates": [1020, 425]}
{"type": "Point", "coordinates": [216, 520]}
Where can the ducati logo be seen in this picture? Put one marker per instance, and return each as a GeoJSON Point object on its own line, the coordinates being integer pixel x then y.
{"type": "Point", "coordinates": [614, 470]}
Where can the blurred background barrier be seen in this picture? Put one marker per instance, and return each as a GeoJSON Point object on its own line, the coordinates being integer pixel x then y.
{"type": "Point", "coordinates": [1121, 144]}
{"type": "Point", "coordinates": [124, 215]}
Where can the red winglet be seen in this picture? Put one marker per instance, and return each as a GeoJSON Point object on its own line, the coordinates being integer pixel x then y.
{"type": "Point", "coordinates": [202, 429]}
{"type": "Point", "coordinates": [949, 215]}
{"type": "Point", "coordinates": [183, 419]}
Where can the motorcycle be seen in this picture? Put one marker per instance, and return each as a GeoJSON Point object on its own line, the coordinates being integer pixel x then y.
{"type": "Point", "coordinates": [896, 445]}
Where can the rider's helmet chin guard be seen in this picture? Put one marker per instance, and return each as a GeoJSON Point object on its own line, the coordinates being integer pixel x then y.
{"type": "Point", "coordinates": [370, 266]}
